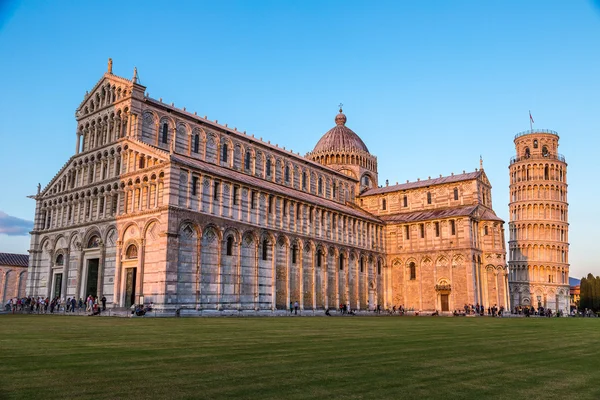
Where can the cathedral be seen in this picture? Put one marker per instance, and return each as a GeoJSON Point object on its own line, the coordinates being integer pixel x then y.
{"type": "Point", "coordinates": [161, 205]}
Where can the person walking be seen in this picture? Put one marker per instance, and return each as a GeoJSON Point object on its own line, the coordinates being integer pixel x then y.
{"type": "Point", "coordinates": [103, 303]}
{"type": "Point", "coordinates": [73, 304]}
{"type": "Point", "coordinates": [291, 308]}
{"type": "Point", "coordinates": [296, 308]}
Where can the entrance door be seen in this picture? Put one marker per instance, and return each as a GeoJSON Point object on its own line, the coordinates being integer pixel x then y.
{"type": "Point", "coordinates": [91, 287]}
{"type": "Point", "coordinates": [57, 284]}
{"type": "Point", "coordinates": [444, 300]}
{"type": "Point", "coordinates": [130, 287]}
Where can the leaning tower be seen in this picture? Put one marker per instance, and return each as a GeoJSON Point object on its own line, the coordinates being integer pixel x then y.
{"type": "Point", "coordinates": [539, 240]}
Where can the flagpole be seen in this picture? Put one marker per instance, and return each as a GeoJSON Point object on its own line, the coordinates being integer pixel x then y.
{"type": "Point", "coordinates": [530, 121]}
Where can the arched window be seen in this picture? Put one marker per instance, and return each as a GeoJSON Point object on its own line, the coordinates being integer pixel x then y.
{"type": "Point", "coordinates": [294, 253]}
{"type": "Point", "coordinates": [60, 260]}
{"type": "Point", "coordinates": [452, 227]}
{"type": "Point", "coordinates": [362, 264]}
{"type": "Point", "coordinates": [132, 252]}
{"type": "Point", "coordinates": [287, 173]}
{"type": "Point", "coordinates": [224, 152]}
{"type": "Point", "coordinates": [196, 143]}
{"type": "Point", "coordinates": [265, 249]}
{"type": "Point", "coordinates": [230, 245]}
{"type": "Point", "coordinates": [546, 173]}
{"type": "Point", "coordinates": [268, 167]}
{"type": "Point", "coordinates": [93, 242]}
{"type": "Point", "coordinates": [304, 180]}
{"type": "Point", "coordinates": [455, 193]}
{"type": "Point", "coordinates": [165, 133]}
{"type": "Point", "coordinates": [535, 144]}
{"type": "Point", "coordinates": [320, 186]}
{"type": "Point", "coordinates": [527, 153]}
{"type": "Point", "coordinates": [366, 181]}
{"type": "Point", "coordinates": [378, 267]}
{"type": "Point", "coordinates": [247, 161]}
{"type": "Point", "coordinates": [428, 197]}
{"type": "Point", "coordinates": [413, 271]}
{"type": "Point", "coordinates": [334, 191]}
{"type": "Point", "coordinates": [545, 152]}
{"type": "Point", "coordinates": [485, 230]}
{"type": "Point", "coordinates": [341, 262]}
{"type": "Point", "coordinates": [319, 258]}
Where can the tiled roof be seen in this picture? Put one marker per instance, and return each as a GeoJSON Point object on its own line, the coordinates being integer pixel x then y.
{"type": "Point", "coordinates": [340, 138]}
{"type": "Point", "coordinates": [273, 187]}
{"type": "Point", "coordinates": [462, 211]}
{"type": "Point", "coordinates": [16, 260]}
{"type": "Point", "coordinates": [429, 182]}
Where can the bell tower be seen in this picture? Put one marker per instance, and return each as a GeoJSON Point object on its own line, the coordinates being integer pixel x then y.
{"type": "Point", "coordinates": [538, 245]}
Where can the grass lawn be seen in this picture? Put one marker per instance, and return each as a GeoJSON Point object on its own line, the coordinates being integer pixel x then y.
{"type": "Point", "coordinates": [55, 357]}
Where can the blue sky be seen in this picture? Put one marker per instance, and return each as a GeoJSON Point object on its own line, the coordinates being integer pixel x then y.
{"type": "Point", "coordinates": [428, 85]}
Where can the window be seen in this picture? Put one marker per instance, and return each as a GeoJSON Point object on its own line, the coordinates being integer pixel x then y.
{"type": "Point", "coordinates": [527, 152]}
{"type": "Point", "coordinates": [270, 209]}
{"type": "Point", "coordinates": [285, 206]}
{"type": "Point", "coordinates": [287, 174]}
{"type": "Point", "coordinates": [304, 180]}
{"type": "Point", "coordinates": [165, 133]}
{"type": "Point", "coordinates": [194, 185]}
{"type": "Point", "coordinates": [216, 191]}
{"type": "Point", "coordinates": [428, 197]}
{"type": "Point", "coordinates": [132, 252]}
{"type": "Point", "coordinates": [265, 249]}
{"type": "Point", "coordinates": [405, 201]}
{"type": "Point", "coordinates": [452, 227]}
{"type": "Point", "coordinates": [60, 260]}
{"type": "Point", "coordinates": [545, 152]}
{"type": "Point", "coordinates": [406, 231]}
{"type": "Point", "coordinates": [268, 167]}
{"type": "Point", "coordinates": [319, 258]}
{"type": "Point", "coordinates": [362, 264]}
{"type": "Point", "coordinates": [229, 245]}
{"type": "Point", "coordinates": [366, 181]}
{"type": "Point", "coordinates": [294, 253]}
{"type": "Point", "coordinates": [485, 230]}
{"type": "Point", "coordinates": [252, 200]}
{"type": "Point", "coordinates": [378, 267]}
{"type": "Point", "coordinates": [196, 143]}
{"type": "Point", "coordinates": [413, 271]}
{"type": "Point", "coordinates": [546, 173]}
{"type": "Point", "coordinates": [247, 161]}
{"type": "Point", "coordinates": [320, 186]}
{"type": "Point", "coordinates": [422, 229]}
{"type": "Point", "coordinates": [535, 144]}
{"type": "Point", "coordinates": [235, 195]}
{"type": "Point", "coordinates": [334, 191]}
{"type": "Point", "coordinates": [297, 211]}
{"type": "Point", "coordinates": [455, 193]}
{"type": "Point", "coordinates": [341, 262]}
{"type": "Point", "coordinates": [437, 229]}
{"type": "Point", "coordinates": [383, 204]}
{"type": "Point", "coordinates": [141, 162]}
{"type": "Point", "coordinates": [224, 152]}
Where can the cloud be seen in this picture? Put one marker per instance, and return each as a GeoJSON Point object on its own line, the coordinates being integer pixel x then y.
{"type": "Point", "coordinates": [13, 226]}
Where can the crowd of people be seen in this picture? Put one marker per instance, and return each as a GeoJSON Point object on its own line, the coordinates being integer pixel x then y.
{"type": "Point", "coordinates": [45, 305]}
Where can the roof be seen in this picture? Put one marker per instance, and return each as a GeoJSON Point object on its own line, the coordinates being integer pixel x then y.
{"type": "Point", "coordinates": [574, 281]}
{"type": "Point", "coordinates": [462, 211]}
{"type": "Point", "coordinates": [429, 182]}
{"type": "Point", "coordinates": [16, 260]}
{"type": "Point", "coordinates": [273, 187]}
{"type": "Point", "coordinates": [340, 138]}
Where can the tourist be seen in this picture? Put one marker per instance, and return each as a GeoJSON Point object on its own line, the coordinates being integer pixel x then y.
{"type": "Point", "coordinates": [103, 303]}
{"type": "Point", "coordinates": [327, 312]}
{"type": "Point", "coordinates": [291, 308]}
{"type": "Point", "coordinates": [73, 304]}
{"type": "Point", "coordinates": [296, 308]}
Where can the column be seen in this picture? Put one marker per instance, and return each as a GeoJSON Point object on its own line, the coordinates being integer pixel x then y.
{"type": "Point", "coordinates": [100, 290]}
{"type": "Point", "coordinates": [325, 280]}
{"type": "Point", "coordinates": [65, 279]}
{"type": "Point", "coordinates": [314, 280]}
{"type": "Point", "coordinates": [300, 260]}
{"type": "Point", "coordinates": [117, 284]}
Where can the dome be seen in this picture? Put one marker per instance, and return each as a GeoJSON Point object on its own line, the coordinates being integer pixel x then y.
{"type": "Point", "coordinates": [340, 138]}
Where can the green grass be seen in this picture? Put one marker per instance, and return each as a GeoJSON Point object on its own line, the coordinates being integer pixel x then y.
{"type": "Point", "coordinates": [52, 357]}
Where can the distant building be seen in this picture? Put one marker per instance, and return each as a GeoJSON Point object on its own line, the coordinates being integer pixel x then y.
{"type": "Point", "coordinates": [13, 275]}
{"type": "Point", "coordinates": [159, 204]}
{"type": "Point", "coordinates": [575, 291]}
{"type": "Point", "coordinates": [539, 227]}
